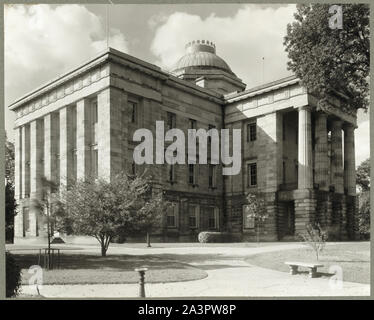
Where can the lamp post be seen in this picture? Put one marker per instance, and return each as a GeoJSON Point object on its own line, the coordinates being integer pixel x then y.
{"type": "Point", "coordinates": [141, 272]}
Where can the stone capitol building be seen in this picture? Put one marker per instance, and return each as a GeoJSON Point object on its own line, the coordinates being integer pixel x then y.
{"type": "Point", "coordinates": [299, 159]}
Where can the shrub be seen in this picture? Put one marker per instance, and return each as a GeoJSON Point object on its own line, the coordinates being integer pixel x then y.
{"type": "Point", "coordinates": [214, 237]}
{"type": "Point", "coordinates": [13, 276]}
{"type": "Point", "coordinates": [315, 237]}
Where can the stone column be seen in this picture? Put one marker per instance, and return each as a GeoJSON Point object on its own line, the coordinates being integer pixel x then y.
{"type": "Point", "coordinates": [349, 160]}
{"type": "Point", "coordinates": [321, 149]}
{"type": "Point", "coordinates": [83, 139]}
{"type": "Point", "coordinates": [305, 174]}
{"type": "Point", "coordinates": [66, 146]}
{"type": "Point", "coordinates": [36, 173]}
{"type": "Point", "coordinates": [337, 156]}
{"type": "Point", "coordinates": [25, 184]}
{"type": "Point", "coordinates": [18, 222]}
{"type": "Point", "coordinates": [109, 127]}
{"type": "Point", "coordinates": [17, 162]}
{"type": "Point", "coordinates": [51, 147]}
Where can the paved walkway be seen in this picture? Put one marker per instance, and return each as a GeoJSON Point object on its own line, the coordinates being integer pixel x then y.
{"type": "Point", "coordinates": [228, 275]}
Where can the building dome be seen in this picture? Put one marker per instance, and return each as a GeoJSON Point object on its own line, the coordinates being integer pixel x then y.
{"type": "Point", "coordinates": [201, 55]}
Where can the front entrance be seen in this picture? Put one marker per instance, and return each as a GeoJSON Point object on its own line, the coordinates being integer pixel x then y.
{"type": "Point", "coordinates": [287, 220]}
{"type": "Point", "coordinates": [290, 219]}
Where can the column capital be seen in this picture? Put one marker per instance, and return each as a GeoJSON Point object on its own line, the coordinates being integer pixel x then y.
{"type": "Point", "coordinates": [321, 114]}
{"type": "Point", "coordinates": [337, 123]}
{"type": "Point", "coordinates": [306, 108]}
{"type": "Point", "coordinates": [348, 126]}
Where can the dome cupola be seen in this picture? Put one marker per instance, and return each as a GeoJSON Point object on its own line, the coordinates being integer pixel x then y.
{"type": "Point", "coordinates": [201, 54]}
{"type": "Point", "coordinates": [202, 66]}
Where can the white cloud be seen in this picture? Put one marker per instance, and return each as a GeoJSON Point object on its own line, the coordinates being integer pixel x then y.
{"type": "Point", "coordinates": [242, 40]}
{"type": "Point", "coordinates": [362, 142]}
{"type": "Point", "coordinates": [41, 42]}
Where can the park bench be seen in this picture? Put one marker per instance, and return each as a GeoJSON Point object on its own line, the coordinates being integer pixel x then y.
{"type": "Point", "coordinates": [312, 267]}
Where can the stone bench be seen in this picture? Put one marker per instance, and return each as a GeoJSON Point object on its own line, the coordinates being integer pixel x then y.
{"type": "Point", "coordinates": [311, 266]}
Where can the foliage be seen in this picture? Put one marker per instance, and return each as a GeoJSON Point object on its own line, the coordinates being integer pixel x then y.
{"type": "Point", "coordinates": [10, 203]}
{"type": "Point", "coordinates": [363, 217]}
{"type": "Point", "coordinates": [214, 237]}
{"type": "Point", "coordinates": [9, 161]}
{"type": "Point", "coordinates": [103, 209]}
{"type": "Point", "coordinates": [257, 210]}
{"type": "Point", "coordinates": [49, 206]}
{"type": "Point", "coordinates": [13, 276]}
{"type": "Point", "coordinates": [363, 175]}
{"type": "Point", "coordinates": [331, 60]}
{"type": "Point", "coordinates": [315, 237]}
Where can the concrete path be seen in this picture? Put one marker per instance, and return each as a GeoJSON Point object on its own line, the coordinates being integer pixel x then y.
{"type": "Point", "coordinates": [228, 275]}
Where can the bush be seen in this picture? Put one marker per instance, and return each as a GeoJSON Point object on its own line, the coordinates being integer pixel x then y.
{"type": "Point", "coordinates": [315, 237]}
{"type": "Point", "coordinates": [13, 276]}
{"type": "Point", "coordinates": [214, 237]}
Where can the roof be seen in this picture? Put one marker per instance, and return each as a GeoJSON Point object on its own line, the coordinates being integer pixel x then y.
{"type": "Point", "coordinates": [201, 55]}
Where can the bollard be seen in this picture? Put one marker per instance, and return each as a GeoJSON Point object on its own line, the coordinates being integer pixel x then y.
{"type": "Point", "coordinates": [141, 272]}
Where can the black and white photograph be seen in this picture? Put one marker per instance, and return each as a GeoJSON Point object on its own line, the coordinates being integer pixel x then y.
{"type": "Point", "coordinates": [187, 150]}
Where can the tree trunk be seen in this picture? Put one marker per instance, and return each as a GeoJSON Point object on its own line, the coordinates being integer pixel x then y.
{"type": "Point", "coordinates": [103, 250]}
{"type": "Point", "coordinates": [148, 240]}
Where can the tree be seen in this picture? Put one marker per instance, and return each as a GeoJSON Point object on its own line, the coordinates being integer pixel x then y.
{"type": "Point", "coordinates": [102, 209]}
{"type": "Point", "coordinates": [331, 61]}
{"type": "Point", "coordinates": [10, 202]}
{"type": "Point", "coordinates": [49, 205]}
{"type": "Point", "coordinates": [363, 175]}
{"type": "Point", "coordinates": [363, 214]}
{"type": "Point", "coordinates": [363, 217]}
{"type": "Point", "coordinates": [315, 237]}
{"type": "Point", "coordinates": [257, 211]}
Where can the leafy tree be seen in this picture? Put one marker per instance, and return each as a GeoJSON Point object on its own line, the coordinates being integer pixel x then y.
{"type": "Point", "coordinates": [49, 206]}
{"type": "Point", "coordinates": [102, 209]}
{"type": "Point", "coordinates": [363, 217]}
{"type": "Point", "coordinates": [363, 175]}
{"type": "Point", "coordinates": [315, 237]}
{"type": "Point", "coordinates": [10, 203]}
{"type": "Point", "coordinates": [328, 60]}
{"type": "Point", "coordinates": [13, 276]}
{"type": "Point", "coordinates": [257, 211]}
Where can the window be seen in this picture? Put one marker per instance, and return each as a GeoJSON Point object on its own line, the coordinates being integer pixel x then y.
{"type": "Point", "coordinates": [212, 176]}
{"type": "Point", "coordinates": [248, 219]}
{"type": "Point", "coordinates": [192, 124]}
{"type": "Point", "coordinates": [283, 129]}
{"type": "Point", "coordinates": [212, 214]}
{"type": "Point", "coordinates": [211, 126]}
{"type": "Point", "coordinates": [26, 220]}
{"type": "Point", "coordinates": [171, 120]}
{"type": "Point", "coordinates": [251, 131]}
{"type": "Point", "coordinates": [193, 215]}
{"type": "Point", "coordinates": [133, 112]}
{"type": "Point", "coordinates": [192, 174]}
{"type": "Point", "coordinates": [252, 174]}
{"type": "Point", "coordinates": [133, 168]}
{"type": "Point", "coordinates": [172, 215]}
{"type": "Point", "coordinates": [284, 171]}
{"type": "Point", "coordinates": [95, 164]}
{"type": "Point", "coordinates": [94, 111]}
{"type": "Point", "coordinates": [171, 172]}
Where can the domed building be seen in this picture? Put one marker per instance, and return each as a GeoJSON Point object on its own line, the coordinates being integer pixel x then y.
{"type": "Point", "coordinates": [205, 68]}
{"type": "Point", "coordinates": [81, 126]}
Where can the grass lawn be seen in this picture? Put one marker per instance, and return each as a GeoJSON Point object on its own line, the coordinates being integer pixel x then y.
{"type": "Point", "coordinates": [94, 269]}
{"type": "Point", "coordinates": [353, 258]}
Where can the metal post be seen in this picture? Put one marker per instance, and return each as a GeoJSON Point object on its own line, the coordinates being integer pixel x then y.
{"type": "Point", "coordinates": [148, 240]}
{"type": "Point", "coordinates": [141, 272]}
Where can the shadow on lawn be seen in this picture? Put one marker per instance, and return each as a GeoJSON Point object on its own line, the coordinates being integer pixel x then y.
{"type": "Point", "coordinates": [130, 262]}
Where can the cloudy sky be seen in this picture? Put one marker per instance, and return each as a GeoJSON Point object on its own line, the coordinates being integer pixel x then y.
{"type": "Point", "coordinates": [44, 41]}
